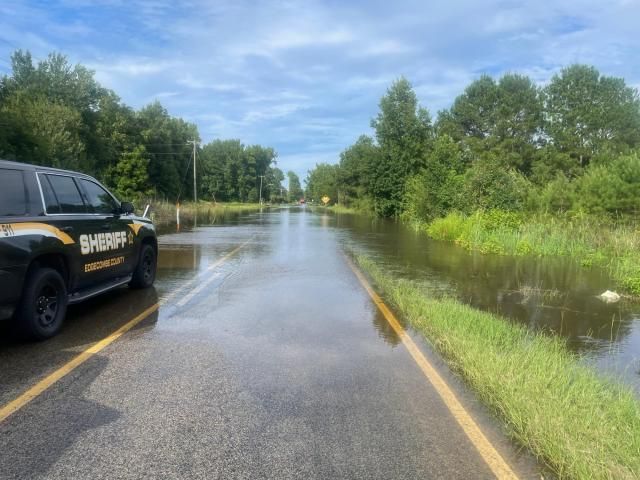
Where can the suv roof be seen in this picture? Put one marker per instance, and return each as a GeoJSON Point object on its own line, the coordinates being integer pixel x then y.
{"type": "Point", "coordinates": [39, 168]}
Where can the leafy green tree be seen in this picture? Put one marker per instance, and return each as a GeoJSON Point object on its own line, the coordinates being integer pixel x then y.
{"type": "Point", "coordinates": [275, 189]}
{"type": "Point", "coordinates": [472, 116]}
{"type": "Point", "coordinates": [46, 133]}
{"type": "Point", "coordinates": [130, 175]}
{"type": "Point", "coordinates": [295, 189]}
{"type": "Point", "coordinates": [613, 188]}
{"type": "Point", "coordinates": [354, 175]}
{"type": "Point", "coordinates": [489, 185]}
{"type": "Point", "coordinates": [56, 114]}
{"type": "Point", "coordinates": [404, 134]}
{"type": "Point", "coordinates": [588, 113]}
{"type": "Point", "coordinates": [555, 196]}
{"type": "Point", "coordinates": [436, 189]}
{"type": "Point", "coordinates": [503, 119]}
{"type": "Point", "coordinates": [165, 139]}
{"type": "Point", "coordinates": [323, 181]}
{"type": "Point", "coordinates": [222, 164]}
{"type": "Point", "coordinates": [231, 171]}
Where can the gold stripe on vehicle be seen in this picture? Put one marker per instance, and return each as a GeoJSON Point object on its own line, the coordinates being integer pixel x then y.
{"type": "Point", "coordinates": [63, 237]}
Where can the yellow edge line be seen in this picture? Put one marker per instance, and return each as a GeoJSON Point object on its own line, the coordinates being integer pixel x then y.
{"type": "Point", "coordinates": [484, 447]}
{"type": "Point", "coordinates": [33, 392]}
{"type": "Point", "coordinates": [67, 368]}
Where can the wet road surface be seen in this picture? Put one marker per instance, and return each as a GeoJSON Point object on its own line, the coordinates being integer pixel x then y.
{"type": "Point", "coordinates": [272, 362]}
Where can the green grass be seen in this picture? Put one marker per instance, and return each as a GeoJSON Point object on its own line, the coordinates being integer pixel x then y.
{"type": "Point", "coordinates": [361, 208]}
{"type": "Point", "coordinates": [588, 240]}
{"type": "Point", "coordinates": [577, 423]}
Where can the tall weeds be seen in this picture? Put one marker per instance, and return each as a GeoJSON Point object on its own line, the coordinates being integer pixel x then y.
{"type": "Point", "coordinates": [588, 240]}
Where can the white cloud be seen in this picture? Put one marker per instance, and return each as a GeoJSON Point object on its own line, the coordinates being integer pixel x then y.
{"type": "Point", "coordinates": [306, 79]}
{"type": "Point", "coordinates": [134, 67]}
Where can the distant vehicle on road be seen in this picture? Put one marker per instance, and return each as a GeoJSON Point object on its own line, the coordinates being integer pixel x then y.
{"type": "Point", "coordinates": [63, 239]}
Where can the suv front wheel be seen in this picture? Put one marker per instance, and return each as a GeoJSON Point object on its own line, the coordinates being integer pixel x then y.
{"type": "Point", "coordinates": [43, 305]}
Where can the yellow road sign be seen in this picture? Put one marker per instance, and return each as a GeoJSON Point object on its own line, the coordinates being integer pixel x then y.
{"type": "Point", "coordinates": [325, 199]}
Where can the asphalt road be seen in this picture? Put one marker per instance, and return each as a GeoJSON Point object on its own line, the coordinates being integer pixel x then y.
{"type": "Point", "coordinates": [271, 362]}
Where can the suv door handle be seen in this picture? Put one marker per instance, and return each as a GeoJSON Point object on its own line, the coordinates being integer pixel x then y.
{"type": "Point", "coordinates": [106, 226]}
{"type": "Point", "coordinates": [67, 229]}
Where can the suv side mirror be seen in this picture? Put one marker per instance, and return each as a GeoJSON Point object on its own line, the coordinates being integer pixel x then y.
{"type": "Point", "coordinates": [126, 208]}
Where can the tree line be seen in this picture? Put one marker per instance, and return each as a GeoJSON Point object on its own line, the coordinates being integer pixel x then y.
{"type": "Point", "coordinates": [505, 144]}
{"type": "Point", "coordinates": [56, 114]}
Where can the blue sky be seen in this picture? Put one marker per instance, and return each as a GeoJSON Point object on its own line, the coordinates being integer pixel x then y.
{"type": "Point", "coordinates": [306, 77]}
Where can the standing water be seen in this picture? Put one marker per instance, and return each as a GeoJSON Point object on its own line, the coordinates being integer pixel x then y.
{"type": "Point", "coordinates": [551, 294]}
{"type": "Point", "coordinates": [554, 295]}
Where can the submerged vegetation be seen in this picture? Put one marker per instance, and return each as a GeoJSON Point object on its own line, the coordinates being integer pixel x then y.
{"type": "Point", "coordinates": [164, 213]}
{"type": "Point", "coordinates": [579, 424]}
{"type": "Point", "coordinates": [589, 240]}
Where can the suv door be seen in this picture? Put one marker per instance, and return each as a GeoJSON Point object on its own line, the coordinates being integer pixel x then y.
{"type": "Point", "coordinates": [14, 252]}
{"type": "Point", "coordinates": [66, 209]}
{"type": "Point", "coordinates": [119, 238]}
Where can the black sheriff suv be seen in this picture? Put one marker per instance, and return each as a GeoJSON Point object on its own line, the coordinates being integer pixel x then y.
{"type": "Point", "coordinates": [63, 239]}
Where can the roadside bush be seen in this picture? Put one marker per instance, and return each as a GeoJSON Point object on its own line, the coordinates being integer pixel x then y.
{"type": "Point", "coordinates": [435, 190]}
{"type": "Point", "coordinates": [557, 196]}
{"type": "Point", "coordinates": [612, 188]}
{"type": "Point", "coordinates": [489, 185]}
{"type": "Point", "coordinates": [448, 228]}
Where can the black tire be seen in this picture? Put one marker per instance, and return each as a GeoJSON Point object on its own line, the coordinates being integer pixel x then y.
{"type": "Point", "coordinates": [145, 273]}
{"type": "Point", "coordinates": [43, 305]}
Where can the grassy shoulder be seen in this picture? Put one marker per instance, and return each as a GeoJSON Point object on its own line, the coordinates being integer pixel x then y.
{"type": "Point", "coordinates": [587, 239]}
{"type": "Point", "coordinates": [576, 422]}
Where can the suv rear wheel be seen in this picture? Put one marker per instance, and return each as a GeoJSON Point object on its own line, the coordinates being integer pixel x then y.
{"type": "Point", "coordinates": [43, 305]}
{"type": "Point", "coordinates": [145, 273]}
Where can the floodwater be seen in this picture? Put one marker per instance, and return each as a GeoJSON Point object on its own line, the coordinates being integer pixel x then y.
{"type": "Point", "coordinates": [554, 295]}
{"type": "Point", "coordinates": [265, 358]}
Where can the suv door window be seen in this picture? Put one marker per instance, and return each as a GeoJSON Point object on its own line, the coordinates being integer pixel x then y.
{"type": "Point", "coordinates": [50, 200]}
{"type": "Point", "coordinates": [13, 196]}
{"type": "Point", "coordinates": [98, 199]}
{"type": "Point", "coordinates": [67, 194]}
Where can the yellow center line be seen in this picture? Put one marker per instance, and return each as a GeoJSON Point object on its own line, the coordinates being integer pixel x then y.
{"type": "Point", "coordinates": [487, 451]}
{"type": "Point", "coordinates": [213, 266]}
{"type": "Point", "coordinates": [37, 389]}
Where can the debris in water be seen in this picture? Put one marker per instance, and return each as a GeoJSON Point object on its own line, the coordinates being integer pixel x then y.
{"type": "Point", "coordinates": [609, 297]}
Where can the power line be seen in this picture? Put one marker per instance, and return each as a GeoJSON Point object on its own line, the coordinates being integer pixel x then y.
{"type": "Point", "coordinates": [161, 153]}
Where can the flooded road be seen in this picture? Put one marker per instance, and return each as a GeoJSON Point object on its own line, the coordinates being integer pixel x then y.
{"type": "Point", "coordinates": [550, 294]}
{"type": "Point", "coordinates": [265, 359]}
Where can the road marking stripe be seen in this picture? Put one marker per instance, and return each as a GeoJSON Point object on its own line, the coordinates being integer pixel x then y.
{"type": "Point", "coordinates": [213, 266]}
{"type": "Point", "coordinates": [197, 290]}
{"type": "Point", "coordinates": [67, 368]}
{"type": "Point", "coordinates": [487, 451]}
{"type": "Point", "coordinates": [37, 389]}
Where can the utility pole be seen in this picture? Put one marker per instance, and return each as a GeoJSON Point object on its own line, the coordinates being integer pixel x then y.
{"type": "Point", "coordinates": [261, 177]}
{"type": "Point", "coordinates": [195, 189]}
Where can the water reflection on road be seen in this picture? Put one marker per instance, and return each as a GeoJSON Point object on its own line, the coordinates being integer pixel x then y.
{"type": "Point", "coordinates": [551, 294]}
